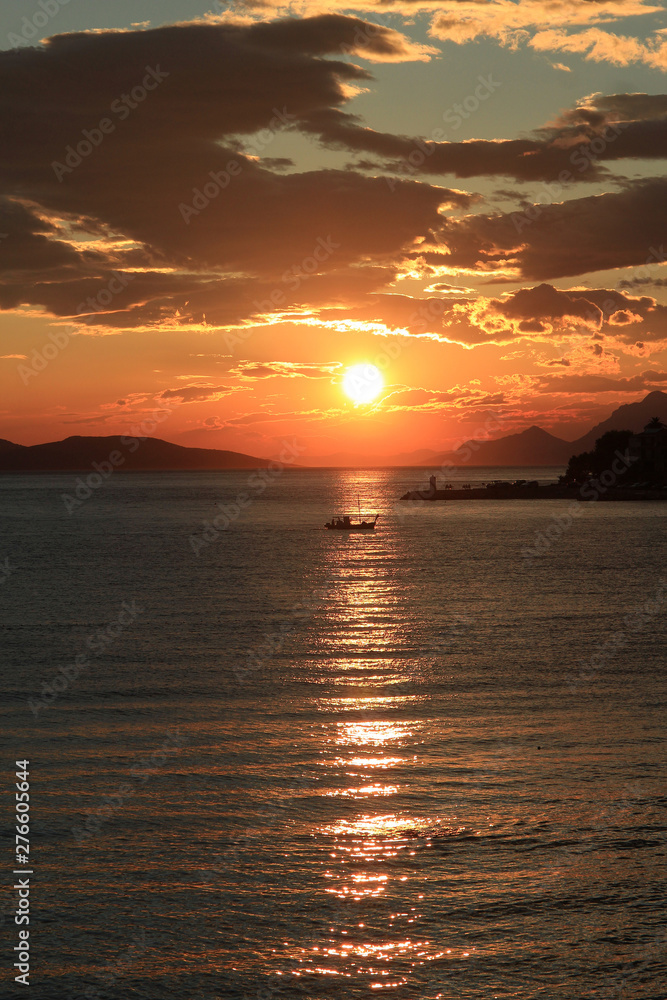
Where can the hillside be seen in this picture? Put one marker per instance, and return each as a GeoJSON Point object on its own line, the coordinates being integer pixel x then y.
{"type": "Point", "coordinates": [77, 454]}
{"type": "Point", "coordinates": [629, 417]}
{"type": "Point", "coordinates": [533, 446]}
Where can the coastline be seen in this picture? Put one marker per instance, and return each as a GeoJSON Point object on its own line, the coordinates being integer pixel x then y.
{"type": "Point", "coordinates": [585, 493]}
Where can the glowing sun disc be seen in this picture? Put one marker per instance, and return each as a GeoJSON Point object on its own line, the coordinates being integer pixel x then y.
{"type": "Point", "coordinates": [362, 383]}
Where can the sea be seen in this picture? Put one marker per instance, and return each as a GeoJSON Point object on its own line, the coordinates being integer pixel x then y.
{"type": "Point", "coordinates": [269, 761]}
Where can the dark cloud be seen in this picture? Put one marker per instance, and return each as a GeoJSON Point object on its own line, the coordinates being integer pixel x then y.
{"type": "Point", "coordinates": [203, 234]}
{"type": "Point", "coordinates": [547, 302]}
{"type": "Point", "coordinates": [30, 245]}
{"type": "Point", "coordinates": [400, 397]}
{"type": "Point", "coordinates": [249, 370]}
{"type": "Point", "coordinates": [623, 126]}
{"type": "Point", "coordinates": [647, 380]}
{"type": "Point", "coordinates": [640, 282]}
{"type": "Point", "coordinates": [579, 236]}
{"type": "Point", "coordinates": [139, 137]}
{"type": "Point", "coordinates": [599, 310]}
{"type": "Point", "coordinates": [195, 393]}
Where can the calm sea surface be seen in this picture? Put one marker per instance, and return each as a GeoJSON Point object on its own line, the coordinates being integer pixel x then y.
{"type": "Point", "coordinates": [292, 764]}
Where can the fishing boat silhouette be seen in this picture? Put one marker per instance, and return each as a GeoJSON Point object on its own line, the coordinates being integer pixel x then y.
{"type": "Point", "coordinates": [345, 523]}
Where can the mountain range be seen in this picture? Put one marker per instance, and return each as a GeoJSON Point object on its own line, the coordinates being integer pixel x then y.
{"type": "Point", "coordinates": [536, 446]}
{"type": "Point", "coordinates": [77, 454]}
{"type": "Point", "coordinates": [531, 447]}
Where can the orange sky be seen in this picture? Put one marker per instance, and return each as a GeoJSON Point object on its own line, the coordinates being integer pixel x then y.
{"type": "Point", "coordinates": [208, 222]}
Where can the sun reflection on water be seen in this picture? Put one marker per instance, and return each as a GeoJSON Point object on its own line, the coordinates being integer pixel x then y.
{"type": "Point", "coordinates": [374, 734]}
{"type": "Point", "coordinates": [372, 882]}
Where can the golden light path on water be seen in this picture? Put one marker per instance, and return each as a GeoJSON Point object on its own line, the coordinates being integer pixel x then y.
{"type": "Point", "coordinates": [368, 876]}
{"type": "Point", "coordinates": [399, 792]}
{"type": "Point", "coordinates": [362, 870]}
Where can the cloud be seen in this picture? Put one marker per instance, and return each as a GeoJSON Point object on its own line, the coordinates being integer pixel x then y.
{"type": "Point", "coordinates": [602, 46]}
{"type": "Point", "coordinates": [516, 23]}
{"type": "Point", "coordinates": [250, 370]}
{"type": "Point", "coordinates": [542, 313]}
{"type": "Point", "coordinates": [643, 282]}
{"type": "Point", "coordinates": [31, 244]}
{"type": "Point", "coordinates": [600, 128]}
{"type": "Point", "coordinates": [326, 34]}
{"type": "Point", "coordinates": [132, 199]}
{"type": "Point", "coordinates": [196, 393]}
{"type": "Point", "coordinates": [579, 236]}
{"type": "Point", "coordinates": [510, 22]}
{"type": "Point", "coordinates": [107, 243]}
{"type": "Point", "coordinates": [583, 383]}
{"type": "Point", "coordinates": [539, 24]}
{"type": "Point", "coordinates": [584, 311]}
{"type": "Point", "coordinates": [400, 398]}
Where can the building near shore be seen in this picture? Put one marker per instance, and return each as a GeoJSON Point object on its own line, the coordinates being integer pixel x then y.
{"type": "Point", "coordinates": [648, 449]}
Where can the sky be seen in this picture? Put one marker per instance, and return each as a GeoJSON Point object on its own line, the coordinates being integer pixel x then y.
{"type": "Point", "coordinates": [211, 213]}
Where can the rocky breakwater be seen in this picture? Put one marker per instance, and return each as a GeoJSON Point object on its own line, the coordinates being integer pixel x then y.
{"type": "Point", "coordinates": [586, 492]}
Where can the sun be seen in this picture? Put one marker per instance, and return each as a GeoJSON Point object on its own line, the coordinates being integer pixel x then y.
{"type": "Point", "coordinates": [362, 383]}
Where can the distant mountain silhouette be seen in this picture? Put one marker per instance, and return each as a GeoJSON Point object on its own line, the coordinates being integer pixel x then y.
{"type": "Point", "coordinates": [533, 446]}
{"type": "Point", "coordinates": [77, 454]}
{"type": "Point", "coordinates": [629, 417]}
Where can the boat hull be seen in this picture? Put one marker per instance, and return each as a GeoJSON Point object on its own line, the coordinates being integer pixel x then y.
{"type": "Point", "coordinates": [350, 527]}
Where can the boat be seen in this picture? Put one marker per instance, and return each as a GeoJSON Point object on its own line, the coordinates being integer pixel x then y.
{"type": "Point", "coordinates": [345, 523]}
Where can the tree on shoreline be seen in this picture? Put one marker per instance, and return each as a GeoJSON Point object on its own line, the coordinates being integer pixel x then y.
{"type": "Point", "coordinates": [593, 463]}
